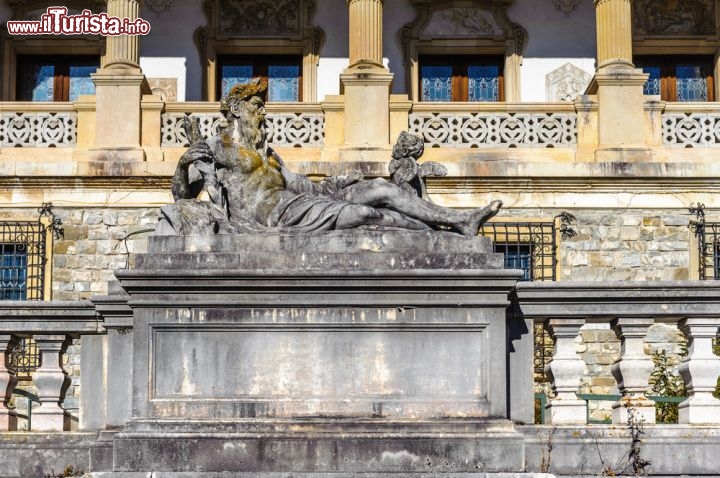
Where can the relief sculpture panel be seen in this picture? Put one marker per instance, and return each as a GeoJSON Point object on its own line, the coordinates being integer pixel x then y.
{"type": "Point", "coordinates": [674, 17]}
{"type": "Point", "coordinates": [462, 21]}
{"type": "Point", "coordinates": [260, 17]}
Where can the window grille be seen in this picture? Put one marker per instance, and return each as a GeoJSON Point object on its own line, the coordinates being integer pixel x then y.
{"type": "Point", "coordinates": [24, 247]}
{"type": "Point", "coordinates": [708, 244]}
{"type": "Point", "coordinates": [532, 247]}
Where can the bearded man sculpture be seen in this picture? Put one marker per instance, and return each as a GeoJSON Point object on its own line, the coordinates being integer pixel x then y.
{"type": "Point", "coordinates": [251, 189]}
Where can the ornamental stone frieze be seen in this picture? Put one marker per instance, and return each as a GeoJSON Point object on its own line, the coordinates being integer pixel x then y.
{"type": "Point", "coordinates": [566, 6]}
{"type": "Point", "coordinates": [673, 18]}
{"type": "Point", "coordinates": [260, 17]}
{"type": "Point", "coordinates": [32, 9]}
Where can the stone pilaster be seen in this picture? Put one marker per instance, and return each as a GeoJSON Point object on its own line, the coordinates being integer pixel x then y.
{"type": "Point", "coordinates": [8, 380]}
{"type": "Point", "coordinates": [51, 382]}
{"type": "Point", "coordinates": [614, 32]}
{"type": "Point", "coordinates": [565, 371]}
{"type": "Point", "coordinates": [122, 51]}
{"type": "Point", "coordinates": [632, 370]}
{"type": "Point", "coordinates": [366, 33]}
{"type": "Point", "coordinates": [367, 87]}
{"type": "Point", "coordinates": [119, 86]}
{"type": "Point", "coordinates": [700, 371]}
{"type": "Point", "coordinates": [621, 126]}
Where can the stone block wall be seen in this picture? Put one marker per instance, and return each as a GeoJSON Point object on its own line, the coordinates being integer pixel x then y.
{"type": "Point", "coordinates": [96, 243]}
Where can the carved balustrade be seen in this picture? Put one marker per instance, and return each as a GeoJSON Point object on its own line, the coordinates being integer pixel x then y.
{"type": "Point", "coordinates": [691, 125]}
{"type": "Point", "coordinates": [299, 125]}
{"type": "Point", "coordinates": [495, 125]}
{"type": "Point", "coordinates": [630, 309]}
{"type": "Point", "coordinates": [38, 125]}
{"type": "Point", "coordinates": [52, 325]}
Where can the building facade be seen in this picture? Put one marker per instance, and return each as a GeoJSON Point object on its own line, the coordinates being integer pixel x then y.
{"type": "Point", "coordinates": [595, 122]}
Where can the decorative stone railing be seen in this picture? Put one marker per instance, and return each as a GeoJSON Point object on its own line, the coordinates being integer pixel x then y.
{"type": "Point", "coordinates": [496, 125]}
{"type": "Point", "coordinates": [691, 125]}
{"type": "Point", "coordinates": [52, 325]}
{"type": "Point", "coordinates": [298, 125]}
{"type": "Point", "coordinates": [38, 125]}
{"type": "Point", "coordinates": [630, 309]}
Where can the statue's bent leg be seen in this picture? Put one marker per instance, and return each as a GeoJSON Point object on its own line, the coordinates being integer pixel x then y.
{"type": "Point", "coordinates": [381, 193]}
{"type": "Point", "coordinates": [355, 215]}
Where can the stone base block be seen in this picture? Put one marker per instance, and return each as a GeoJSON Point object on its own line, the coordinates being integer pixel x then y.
{"type": "Point", "coordinates": [50, 420]}
{"type": "Point", "coordinates": [316, 446]}
{"type": "Point", "coordinates": [310, 475]}
{"type": "Point", "coordinates": [644, 411]}
{"type": "Point", "coordinates": [699, 412]}
{"type": "Point", "coordinates": [566, 412]}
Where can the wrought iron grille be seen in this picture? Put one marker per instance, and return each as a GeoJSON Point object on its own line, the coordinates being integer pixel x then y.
{"type": "Point", "coordinates": [22, 260]}
{"type": "Point", "coordinates": [532, 247]}
{"type": "Point", "coordinates": [709, 251]}
{"type": "Point", "coordinates": [24, 359]}
{"type": "Point", "coordinates": [708, 242]}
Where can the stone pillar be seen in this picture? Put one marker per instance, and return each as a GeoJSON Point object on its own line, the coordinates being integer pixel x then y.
{"type": "Point", "coordinates": [8, 380]}
{"type": "Point", "coordinates": [51, 382]}
{"type": "Point", "coordinates": [366, 33]}
{"type": "Point", "coordinates": [700, 371]}
{"type": "Point", "coordinates": [621, 128]}
{"type": "Point", "coordinates": [632, 370]}
{"type": "Point", "coordinates": [367, 87]}
{"type": "Point", "coordinates": [122, 50]}
{"type": "Point", "coordinates": [119, 86]}
{"type": "Point", "coordinates": [564, 372]}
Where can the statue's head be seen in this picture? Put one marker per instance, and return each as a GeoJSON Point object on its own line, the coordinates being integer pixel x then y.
{"type": "Point", "coordinates": [408, 146]}
{"type": "Point", "coordinates": [244, 104]}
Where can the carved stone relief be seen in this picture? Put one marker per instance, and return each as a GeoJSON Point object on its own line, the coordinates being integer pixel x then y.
{"type": "Point", "coordinates": [32, 9]}
{"type": "Point", "coordinates": [165, 87]}
{"type": "Point", "coordinates": [674, 17]}
{"type": "Point", "coordinates": [260, 17]}
{"type": "Point", "coordinates": [566, 6]}
{"type": "Point", "coordinates": [566, 83]}
{"type": "Point", "coordinates": [462, 21]}
{"type": "Point", "coordinates": [158, 6]}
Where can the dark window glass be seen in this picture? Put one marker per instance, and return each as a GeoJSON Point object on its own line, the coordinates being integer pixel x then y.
{"type": "Point", "coordinates": [517, 256]}
{"type": "Point", "coordinates": [13, 272]}
{"type": "Point", "coordinates": [461, 78]}
{"type": "Point", "coordinates": [55, 78]}
{"type": "Point", "coordinates": [283, 74]}
{"type": "Point", "coordinates": [678, 78]}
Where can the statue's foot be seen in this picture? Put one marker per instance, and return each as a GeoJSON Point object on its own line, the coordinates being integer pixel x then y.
{"type": "Point", "coordinates": [478, 217]}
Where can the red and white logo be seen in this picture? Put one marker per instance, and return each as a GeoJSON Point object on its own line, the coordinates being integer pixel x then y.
{"type": "Point", "coordinates": [57, 22]}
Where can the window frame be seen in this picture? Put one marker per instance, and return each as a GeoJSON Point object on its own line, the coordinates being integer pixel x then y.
{"type": "Point", "coordinates": [460, 80]}
{"type": "Point", "coordinates": [668, 75]}
{"type": "Point", "coordinates": [62, 64]}
{"type": "Point", "coordinates": [260, 64]}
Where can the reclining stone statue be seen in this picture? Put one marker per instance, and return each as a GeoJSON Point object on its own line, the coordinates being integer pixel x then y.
{"type": "Point", "coordinates": [251, 190]}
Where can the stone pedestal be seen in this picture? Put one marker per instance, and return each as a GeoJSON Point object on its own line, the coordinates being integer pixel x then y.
{"type": "Point", "coordinates": [700, 371]}
{"type": "Point", "coordinates": [565, 371]}
{"type": "Point", "coordinates": [632, 371]}
{"type": "Point", "coordinates": [52, 383]}
{"type": "Point", "coordinates": [343, 352]}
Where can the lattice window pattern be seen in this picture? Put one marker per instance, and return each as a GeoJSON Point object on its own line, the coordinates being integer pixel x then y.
{"type": "Point", "coordinates": [492, 130]}
{"type": "Point", "coordinates": [284, 129]}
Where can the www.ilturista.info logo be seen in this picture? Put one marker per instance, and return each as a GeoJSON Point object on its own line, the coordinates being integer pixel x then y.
{"type": "Point", "coordinates": [57, 22]}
